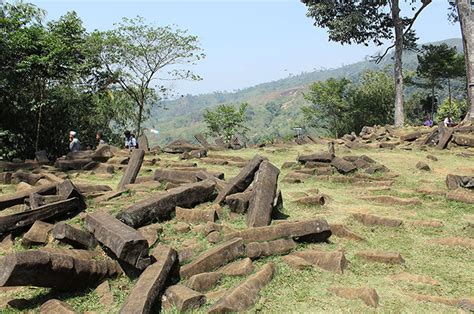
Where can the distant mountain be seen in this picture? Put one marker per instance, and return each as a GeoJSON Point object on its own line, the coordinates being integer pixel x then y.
{"type": "Point", "coordinates": [274, 107]}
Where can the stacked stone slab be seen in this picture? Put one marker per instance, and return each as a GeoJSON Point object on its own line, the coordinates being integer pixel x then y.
{"type": "Point", "coordinates": [241, 182]}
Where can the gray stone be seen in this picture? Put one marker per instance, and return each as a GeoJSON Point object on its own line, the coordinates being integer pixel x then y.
{"type": "Point", "coordinates": [125, 242]}
{"type": "Point", "coordinates": [72, 236]}
{"type": "Point", "coordinates": [151, 283]}
{"type": "Point", "coordinates": [184, 298]}
{"type": "Point", "coordinates": [58, 269]}
{"type": "Point", "coordinates": [260, 208]}
{"type": "Point", "coordinates": [214, 258]}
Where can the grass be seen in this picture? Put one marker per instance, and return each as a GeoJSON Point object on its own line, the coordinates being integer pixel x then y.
{"type": "Point", "coordinates": [307, 290]}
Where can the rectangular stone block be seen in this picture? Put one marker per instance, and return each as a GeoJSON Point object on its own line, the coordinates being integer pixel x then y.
{"type": "Point", "coordinates": [151, 283]}
{"type": "Point", "coordinates": [125, 242]}
{"type": "Point", "coordinates": [214, 258]}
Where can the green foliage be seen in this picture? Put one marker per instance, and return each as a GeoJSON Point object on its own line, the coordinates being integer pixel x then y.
{"type": "Point", "coordinates": [59, 78]}
{"type": "Point", "coordinates": [457, 109]}
{"type": "Point", "coordinates": [226, 121]}
{"type": "Point", "coordinates": [340, 106]}
{"type": "Point", "coordinates": [330, 106]}
{"type": "Point", "coordinates": [44, 78]}
{"type": "Point", "coordinates": [437, 65]}
{"type": "Point", "coordinates": [372, 100]}
{"type": "Point", "coordinates": [417, 106]}
{"type": "Point", "coordinates": [136, 52]}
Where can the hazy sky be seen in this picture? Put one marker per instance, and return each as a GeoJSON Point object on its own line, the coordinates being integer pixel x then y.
{"type": "Point", "coordinates": [246, 42]}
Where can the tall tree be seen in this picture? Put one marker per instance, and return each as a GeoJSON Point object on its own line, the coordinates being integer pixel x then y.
{"type": "Point", "coordinates": [465, 15]}
{"type": "Point", "coordinates": [226, 121]}
{"type": "Point", "coordinates": [362, 22]}
{"type": "Point", "coordinates": [437, 64]}
{"type": "Point", "coordinates": [135, 53]}
{"type": "Point", "coordinates": [329, 107]}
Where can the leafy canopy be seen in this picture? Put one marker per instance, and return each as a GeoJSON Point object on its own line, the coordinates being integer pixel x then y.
{"type": "Point", "coordinates": [226, 121]}
{"type": "Point", "coordinates": [141, 57]}
{"type": "Point", "coordinates": [339, 106]}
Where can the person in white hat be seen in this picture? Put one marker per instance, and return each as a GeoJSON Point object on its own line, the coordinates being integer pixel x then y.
{"type": "Point", "coordinates": [74, 143]}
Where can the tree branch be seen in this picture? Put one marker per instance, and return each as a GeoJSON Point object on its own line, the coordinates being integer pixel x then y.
{"type": "Point", "coordinates": [379, 58]}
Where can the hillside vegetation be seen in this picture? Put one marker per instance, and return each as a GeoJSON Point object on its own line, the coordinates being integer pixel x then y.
{"type": "Point", "coordinates": [274, 107]}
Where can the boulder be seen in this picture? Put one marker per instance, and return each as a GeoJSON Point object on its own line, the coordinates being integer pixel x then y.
{"type": "Point", "coordinates": [195, 215]}
{"type": "Point", "coordinates": [454, 181]}
{"type": "Point", "coordinates": [461, 195]}
{"type": "Point", "coordinates": [41, 156]}
{"type": "Point", "coordinates": [423, 166]}
{"type": "Point", "coordinates": [177, 176]}
{"type": "Point", "coordinates": [17, 198]}
{"type": "Point", "coordinates": [342, 231]}
{"type": "Point", "coordinates": [296, 262]}
{"type": "Point", "coordinates": [411, 136]}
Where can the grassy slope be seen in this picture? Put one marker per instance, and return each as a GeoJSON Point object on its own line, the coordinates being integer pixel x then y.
{"type": "Point", "coordinates": [306, 291]}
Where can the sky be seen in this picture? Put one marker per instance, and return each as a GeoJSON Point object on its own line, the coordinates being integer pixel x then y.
{"type": "Point", "coordinates": [246, 42]}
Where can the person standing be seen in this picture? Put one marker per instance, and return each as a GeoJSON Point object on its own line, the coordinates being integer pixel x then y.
{"type": "Point", "coordinates": [74, 143]}
{"type": "Point", "coordinates": [100, 139]}
{"type": "Point", "coordinates": [130, 141]}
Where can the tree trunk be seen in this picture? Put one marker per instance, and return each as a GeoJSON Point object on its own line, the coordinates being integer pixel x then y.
{"type": "Point", "coordinates": [466, 20]}
{"type": "Point", "coordinates": [432, 100]}
{"type": "Point", "coordinates": [449, 93]}
{"type": "Point", "coordinates": [38, 127]}
{"type": "Point", "coordinates": [140, 114]}
{"type": "Point", "coordinates": [398, 72]}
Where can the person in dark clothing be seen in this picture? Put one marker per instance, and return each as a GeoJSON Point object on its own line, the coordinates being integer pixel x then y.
{"type": "Point", "coordinates": [130, 141]}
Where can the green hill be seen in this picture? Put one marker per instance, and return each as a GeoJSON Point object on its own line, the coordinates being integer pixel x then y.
{"type": "Point", "coordinates": [274, 107]}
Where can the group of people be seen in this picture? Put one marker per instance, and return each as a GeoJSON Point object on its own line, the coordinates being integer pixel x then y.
{"type": "Point", "coordinates": [448, 121]}
{"type": "Point", "coordinates": [75, 145]}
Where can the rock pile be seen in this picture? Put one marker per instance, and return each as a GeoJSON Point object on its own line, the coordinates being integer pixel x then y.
{"type": "Point", "coordinates": [109, 246]}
